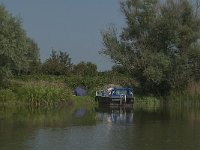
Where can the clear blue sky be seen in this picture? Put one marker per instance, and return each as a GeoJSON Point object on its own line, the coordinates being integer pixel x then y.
{"type": "Point", "coordinates": [68, 25]}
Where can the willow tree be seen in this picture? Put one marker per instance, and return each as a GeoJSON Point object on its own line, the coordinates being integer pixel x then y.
{"type": "Point", "coordinates": [154, 45]}
{"type": "Point", "coordinates": [14, 44]}
{"type": "Point", "coordinates": [32, 57]}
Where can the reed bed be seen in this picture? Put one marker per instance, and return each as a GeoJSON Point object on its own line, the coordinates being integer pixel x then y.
{"type": "Point", "coordinates": [147, 103]}
{"type": "Point", "coordinates": [191, 95]}
{"type": "Point", "coordinates": [35, 93]}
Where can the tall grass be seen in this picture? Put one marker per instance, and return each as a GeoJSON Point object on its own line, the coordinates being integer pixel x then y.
{"type": "Point", "coordinates": [42, 95]}
{"type": "Point", "coordinates": [193, 88]}
{"type": "Point", "coordinates": [7, 96]}
{"type": "Point", "coordinates": [35, 93]}
{"type": "Point", "coordinates": [189, 96]}
{"type": "Point", "coordinates": [147, 102]}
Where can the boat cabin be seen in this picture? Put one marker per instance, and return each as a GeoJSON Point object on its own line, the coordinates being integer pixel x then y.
{"type": "Point", "coordinates": [115, 96]}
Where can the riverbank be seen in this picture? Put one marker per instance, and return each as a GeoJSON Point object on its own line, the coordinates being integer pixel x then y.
{"type": "Point", "coordinates": [47, 91]}
{"type": "Point", "coordinates": [38, 93]}
{"type": "Point", "coordinates": [34, 93]}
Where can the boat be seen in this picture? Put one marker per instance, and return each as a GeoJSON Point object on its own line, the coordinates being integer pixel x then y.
{"type": "Point", "coordinates": [115, 96]}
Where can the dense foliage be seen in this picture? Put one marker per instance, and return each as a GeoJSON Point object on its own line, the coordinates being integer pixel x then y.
{"type": "Point", "coordinates": [85, 69]}
{"type": "Point", "coordinates": [159, 45]}
{"type": "Point", "coordinates": [95, 83]}
{"type": "Point", "coordinates": [58, 64]}
{"type": "Point", "coordinates": [17, 51]}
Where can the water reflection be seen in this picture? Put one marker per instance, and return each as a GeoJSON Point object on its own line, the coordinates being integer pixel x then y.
{"type": "Point", "coordinates": [116, 115]}
{"type": "Point", "coordinates": [113, 128]}
{"type": "Point", "coordinates": [19, 124]}
{"type": "Point", "coordinates": [59, 117]}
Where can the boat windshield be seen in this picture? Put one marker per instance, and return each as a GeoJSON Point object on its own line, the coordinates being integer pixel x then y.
{"type": "Point", "coordinates": [120, 92]}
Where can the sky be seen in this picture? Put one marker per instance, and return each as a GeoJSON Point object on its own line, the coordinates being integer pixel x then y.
{"type": "Point", "coordinates": [73, 26]}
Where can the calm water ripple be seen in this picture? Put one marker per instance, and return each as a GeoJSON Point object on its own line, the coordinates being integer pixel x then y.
{"type": "Point", "coordinates": [100, 129]}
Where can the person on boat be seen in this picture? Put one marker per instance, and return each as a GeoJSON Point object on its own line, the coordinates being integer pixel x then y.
{"type": "Point", "coordinates": [110, 90]}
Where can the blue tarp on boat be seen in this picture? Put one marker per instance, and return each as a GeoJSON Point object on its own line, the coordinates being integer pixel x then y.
{"type": "Point", "coordinates": [80, 91]}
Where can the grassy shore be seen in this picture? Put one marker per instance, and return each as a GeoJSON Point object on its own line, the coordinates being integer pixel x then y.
{"type": "Point", "coordinates": [52, 90]}
{"type": "Point", "coordinates": [36, 92]}
{"type": "Point", "coordinates": [43, 90]}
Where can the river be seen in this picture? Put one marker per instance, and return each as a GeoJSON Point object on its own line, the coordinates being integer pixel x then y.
{"type": "Point", "coordinates": [66, 128]}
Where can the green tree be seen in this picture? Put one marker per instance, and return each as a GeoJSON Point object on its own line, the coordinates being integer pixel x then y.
{"type": "Point", "coordinates": [14, 44]}
{"type": "Point", "coordinates": [85, 69]}
{"type": "Point", "coordinates": [118, 69]}
{"type": "Point", "coordinates": [58, 64]}
{"type": "Point", "coordinates": [194, 63]}
{"type": "Point", "coordinates": [154, 45]}
{"type": "Point", "coordinates": [32, 56]}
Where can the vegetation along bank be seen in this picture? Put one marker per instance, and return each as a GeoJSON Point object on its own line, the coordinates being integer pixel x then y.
{"type": "Point", "coordinates": [157, 53]}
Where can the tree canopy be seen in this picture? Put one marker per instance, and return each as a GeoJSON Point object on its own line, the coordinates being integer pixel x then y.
{"type": "Point", "coordinates": [85, 69]}
{"type": "Point", "coordinates": [58, 64]}
{"type": "Point", "coordinates": [17, 50]}
{"type": "Point", "coordinates": [159, 46]}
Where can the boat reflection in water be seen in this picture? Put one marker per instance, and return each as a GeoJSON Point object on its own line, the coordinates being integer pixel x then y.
{"type": "Point", "coordinates": [115, 115]}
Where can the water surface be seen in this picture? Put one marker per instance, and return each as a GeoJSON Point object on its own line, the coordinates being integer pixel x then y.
{"type": "Point", "coordinates": [100, 128]}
